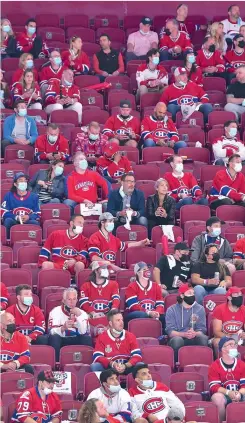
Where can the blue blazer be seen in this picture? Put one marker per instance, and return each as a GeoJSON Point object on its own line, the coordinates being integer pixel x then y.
{"type": "Point", "coordinates": [137, 203]}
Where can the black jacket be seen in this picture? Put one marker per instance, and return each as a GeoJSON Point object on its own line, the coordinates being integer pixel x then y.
{"type": "Point", "coordinates": [152, 204]}
{"type": "Point", "coordinates": [58, 186]}
{"type": "Point", "coordinates": [11, 49]}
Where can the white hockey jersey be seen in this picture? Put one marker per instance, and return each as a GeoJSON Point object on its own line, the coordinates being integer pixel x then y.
{"type": "Point", "coordinates": [230, 28]}
{"type": "Point", "coordinates": [57, 318]}
{"type": "Point", "coordinates": [224, 147]}
{"type": "Point", "coordinates": [157, 401]}
{"type": "Point", "coordinates": [117, 405]}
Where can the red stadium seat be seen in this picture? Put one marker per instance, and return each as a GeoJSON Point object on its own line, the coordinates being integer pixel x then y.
{"type": "Point", "coordinates": [17, 382]}
{"type": "Point", "coordinates": [17, 18]}
{"type": "Point", "coordinates": [190, 223]}
{"type": "Point", "coordinates": [149, 99]}
{"type": "Point", "coordinates": [170, 300]}
{"type": "Point", "coordinates": [76, 354]}
{"type": "Point", "coordinates": [190, 355]}
{"type": "Point", "coordinates": [159, 22]}
{"type": "Point", "coordinates": [147, 342]}
{"type": "Point", "coordinates": [49, 277]}
{"type": "Point", "coordinates": [238, 278]}
{"type": "Point", "coordinates": [235, 412]}
{"type": "Point", "coordinates": [193, 212]}
{"type": "Point", "coordinates": [122, 293]}
{"type": "Point", "coordinates": [186, 382]}
{"type": "Point", "coordinates": [91, 382]}
{"type": "Point", "coordinates": [99, 116]}
{"type": "Point", "coordinates": [27, 254]}
{"type": "Point", "coordinates": [26, 232]}
{"type": "Point", "coordinates": [201, 411]}
{"type": "Point", "coordinates": [158, 354]}
{"type": "Point", "coordinates": [186, 397]}
{"type": "Point", "coordinates": [91, 98]}
{"type": "Point", "coordinates": [231, 213]}
{"type": "Point", "coordinates": [115, 96]}
{"type": "Point", "coordinates": [86, 34]}
{"type": "Point", "coordinates": [76, 20]}
{"type": "Point", "coordinates": [51, 33]}
{"type": "Point", "coordinates": [122, 80]}
{"type": "Point", "coordinates": [6, 255]}
{"type": "Point", "coordinates": [47, 20]}
{"type": "Point", "coordinates": [194, 231]}
{"type": "Point", "coordinates": [208, 172]}
{"type": "Point", "coordinates": [196, 154]}
{"type": "Point", "coordinates": [137, 233]}
{"type": "Point", "coordinates": [214, 133]}
{"type": "Point", "coordinates": [149, 171]}
{"type": "Point", "coordinates": [105, 20]}
{"type": "Point", "coordinates": [61, 116]}
{"type": "Point", "coordinates": [3, 235]}
{"type": "Point", "coordinates": [148, 187]}
{"type": "Point", "coordinates": [15, 151]}
{"type": "Point", "coordinates": [9, 170]}
{"type": "Point", "coordinates": [132, 153]}
{"type": "Point", "coordinates": [55, 211]}
{"type": "Point", "coordinates": [136, 254]}
{"type": "Point", "coordinates": [145, 327]}
{"type": "Point", "coordinates": [83, 277]}
{"type": "Point", "coordinates": [124, 277]}
{"type": "Point", "coordinates": [33, 169]}
{"type": "Point", "coordinates": [212, 300]}
{"type": "Point", "coordinates": [83, 81]}
{"type": "Point", "coordinates": [133, 65]}
{"type": "Point", "coordinates": [116, 34]}
{"type": "Point", "coordinates": [90, 48]}
{"type": "Point", "coordinates": [130, 21]}
{"type": "Point", "coordinates": [38, 63]}
{"type": "Point", "coordinates": [10, 64]}
{"type": "Point", "coordinates": [196, 119]}
{"type": "Point", "coordinates": [52, 225]}
{"type": "Point", "coordinates": [232, 232]}
{"type": "Point", "coordinates": [219, 117]}
{"type": "Point", "coordinates": [211, 83]}
{"type": "Point", "coordinates": [217, 98]}
{"type": "Point", "coordinates": [38, 352]}
{"type": "Point", "coordinates": [71, 409]}
{"type": "Point", "coordinates": [157, 233]}
{"type": "Point", "coordinates": [156, 154]}
{"type": "Point", "coordinates": [89, 228]}
{"type": "Point", "coordinates": [13, 277]}
{"type": "Point", "coordinates": [194, 134]}
{"type": "Point", "coordinates": [51, 297]}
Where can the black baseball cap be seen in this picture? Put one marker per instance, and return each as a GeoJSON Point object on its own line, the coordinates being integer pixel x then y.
{"type": "Point", "coordinates": [46, 375]}
{"type": "Point", "coordinates": [237, 36]}
{"type": "Point", "coordinates": [20, 175]}
{"type": "Point", "coordinates": [146, 20]}
{"type": "Point", "coordinates": [125, 103]}
{"type": "Point", "coordinates": [182, 246]}
{"type": "Point", "coordinates": [214, 219]}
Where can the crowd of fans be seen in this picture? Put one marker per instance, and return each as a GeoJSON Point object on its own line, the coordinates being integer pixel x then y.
{"type": "Point", "coordinates": [103, 181]}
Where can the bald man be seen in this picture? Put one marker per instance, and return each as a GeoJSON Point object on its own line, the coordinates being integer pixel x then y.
{"type": "Point", "coordinates": [159, 130]}
{"type": "Point", "coordinates": [15, 353]}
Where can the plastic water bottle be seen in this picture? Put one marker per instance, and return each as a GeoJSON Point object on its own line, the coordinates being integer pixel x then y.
{"type": "Point", "coordinates": [216, 276]}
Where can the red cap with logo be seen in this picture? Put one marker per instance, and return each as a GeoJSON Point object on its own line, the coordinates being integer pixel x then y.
{"type": "Point", "coordinates": [110, 150]}
{"type": "Point", "coordinates": [183, 288]}
{"type": "Point", "coordinates": [233, 290]}
{"type": "Point", "coordinates": [179, 71]}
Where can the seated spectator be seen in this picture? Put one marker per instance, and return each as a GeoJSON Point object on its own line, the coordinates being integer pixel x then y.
{"type": "Point", "coordinates": [5, 94]}
{"type": "Point", "coordinates": [183, 186]}
{"type": "Point", "coordinates": [116, 348]}
{"type": "Point", "coordinates": [28, 315]}
{"type": "Point", "coordinates": [82, 184]}
{"type": "Point", "coordinates": [216, 32]}
{"type": "Point", "coordinates": [91, 142]}
{"type": "Point", "coordinates": [64, 94]}
{"type": "Point", "coordinates": [29, 42]}
{"type": "Point", "coordinates": [140, 42]}
{"type": "Point", "coordinates": [25, 62]}
{"type": "Point", "coordinates": [15, 353]}
{"type": "Point", "coordinates": [185, 328]}
{"type": "Point", "coordinates": [28, 90]}
{"type": "Point", "coordinates": [113, 165]}
{"type": "Point", "coordinates": [68, 325]}
{"type": "Point", "coordinates": [66, 249]}
{"type": "Point", "coordinates": [143, 297]}
{"type": "Point", "coordinates": [103, 246]}
{"type": "Point", "coordinates": [49, 184]}
{"type": "Point", "coordinates": [52, 70]}
{"type": "Point", "coordinates": [174, 43]}
{"type": "Point", "coordinates": [182, 18]}
{"type": "Point", "coordinates": [236, 56]}
{"type": "Point", "coordinates": [144, 393]}
{"type": "Point", "coordinates": [19, 128]}
{"type": "Point", "coordinates": [94, 411]}
{"type": "Point", "coordinates": [209, 275]}
{"type": "Point", "coordinates": [127, 200]}
{"type": "Point", "coordinates": [19, 205]}
{"type": "Point", "coordinates": [226, 376]}
{"type": "Point", "coordinates": [242, 31]}
{"type": "Point", "coordinates": [228, 144]}
{"type": "Point", "coordinates": [194, 73]}
{"type": "Point", "coordinates": [76, 59]}
{"type": "Point", "coordinates": [123, 127]}
{"type": "Point", "coordinates": [235, 94]}
{"type": "Point", "coordinates": [51, 146]}
{"type": "Point", "coordinates": [40, 400]}
{"type": "Point", "coordinates": [100, 294]}
{"type": "Point", "coordinates": [233, 23]}
{"type": "Point", "coordinates": [209, 59]}
{"type": "Point", "coordinates": [228, 319]}
{"type": "Point", "coordinates": [159, 130]}
{"type": "Point", "coordinates": [172, 271]}
{"type": "Point", "coordinates": [228, 185]}
{"type": "Point", "coordinates": [151, 77]}
{"type": "Point", "coordinates": [4, 296]}
{"type": "Point", "coordinates": [160, 207]}
{"type": "Point", "coordinates": [8, 40]}
{"type": "Point", "coordinates": [116, 400]}
{"type": "Point", "coordinates": [185, 93]}
{"type": "Point", "coordinates": [107, 61]}
{"type": "Point", "coordinates": [239, 253]}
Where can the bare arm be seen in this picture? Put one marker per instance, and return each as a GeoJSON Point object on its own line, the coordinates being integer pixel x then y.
{"type": "Point", "coordinates": [156, 275]}
{"type": "Point", "coordinates": [195, 278]}
{"type": "Point", "coordinates": [217, 328]}
{"type": "Point", "coordinates": [130, 47]}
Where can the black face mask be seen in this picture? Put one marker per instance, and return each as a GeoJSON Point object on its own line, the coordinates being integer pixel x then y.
{"type": "Point", "coordinates": [211, 48]}
{"type": "Point", "coordinates": [189, 300]}
{"type": "Point", "coordinates": [124, 117]}
{"type": "Point", "coordinates": [216, 257]}
{"type": "Point", "coordinates": [241, 44]}
{"type": "Point", "coordinates": [11, 328]}
{"type": "Point", "coordinates": [167, 32]}
{"type": "Point", "coordinates": [237, 301]}
{"type": "Point", "coordinates": [68, 309]}
{"type": "Point", "coordinates": [184, 257]}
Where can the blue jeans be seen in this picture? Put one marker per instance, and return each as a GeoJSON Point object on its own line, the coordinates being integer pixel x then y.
{"type": "Point", "coordinates": [204, 108]}
{"type": "Point", "coordinates": [201, 292]}
{"type": "Point", "coordinates": [71, 203]}
{"type": "Point", "coordinates": [9, 222]}
{"type": "Point", "coordinates": [179, 144]}
{"type": "Point", "coordinates": [97, 367]}
{"type": "Point", "coordinates": [165, 55]}
{"type": "Point", "coordinates": [188, 200]}
{"type": "Point", "coordinates": [130, 55]}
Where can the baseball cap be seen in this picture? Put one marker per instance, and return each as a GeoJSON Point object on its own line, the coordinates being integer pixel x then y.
{"type": "Point", "coordinates": [96, 265]}
{"type": "Point", "coordinates": [214, 219]}
{"type": "Point", "coordinates": [233, 290]}
{"type": "Point", "coordinates": [125, 103]}
{"type": "Point", "coordinates": [111, 149]}
{"type": "Point", "coordinates": [182, 246]}
{"type": "Point", "coordinates": [179, 71]}
{"type": "Point", "coordinates": [183, 288]}
{"type": "Point", "coordinates": [223, 341]}
{"type": "Point", "coordinates": [139, 266]}
{"type": "Point", "coordinates": [46, 375]}
{"type": "Point", "coordinates": [176, 413]}
{"type": "Point", "coordinates": [237, 36]}
{"type": "Point", "coordinates": [106, 216]}
{"type": "Point", "coordinates": [146, 20]}
{"type": "Point", "coordinates": [20, 175]}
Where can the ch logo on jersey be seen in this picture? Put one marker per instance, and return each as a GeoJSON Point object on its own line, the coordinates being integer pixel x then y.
{"type": "Point", "coordinates": [101, 305]}
{"type": "Point", "coordinates": [122, 131]}
{"type": "Point", "coordinates": [68, 252]}
{"type": "Point", "coordinates": [183, 190]}
{"type": "Point", "coordinates": [237, 64]}
{"type": "Point", "coordinates": [153, 405]}
{"type": "Point", "coordinates": [21, 211]}
{"type": "Point", "coordinates": [6, 356]}
{"type": "Point", "coordinates": [232, 326]}
{"type": "Point", "coordinates": [161, 133]}
{"type": "Point", "coordinates": [119, 173]}
{"type": "Point", "coordinates": [109, 255]}
{"type": "Point", "coordinates": [232, 385]}
{"type": "Point", "coordinates": [185, 100]}
{"type": "Point", "coordinates": [148, 305]}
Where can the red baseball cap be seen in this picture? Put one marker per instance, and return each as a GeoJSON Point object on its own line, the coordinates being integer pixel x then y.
{"type": "Point", "coordinates": [233, 290]}
{"type": "Point", "coordinates": [183, 288]}
{"type": "Point", "coordinates": [110, 150]}
{"type": "Point", "coordinates": [179, 71]}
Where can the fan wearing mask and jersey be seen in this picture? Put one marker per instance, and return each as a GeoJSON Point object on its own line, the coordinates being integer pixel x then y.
{"type": "Point", "coordinates": [210, 60]}
{"type": "Point", "coordinates": [91, 142]}
{"type": "Point", "coordinates": [51, 146]}
{"type": "Point", "coordinates": [228, 144]}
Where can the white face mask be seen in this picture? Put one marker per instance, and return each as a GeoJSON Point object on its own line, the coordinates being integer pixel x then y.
{"type": "Point", "coordinates": [182, 83]}
{"type": "Point", "coordinates": [22, 186]}
{"type": "Point", "coordinates": [47, 391]}
{"type": "Point", "coordinates": [144, 33]}
{"type": "Point", "coordinates": [28, 301]}
{"type": "Point", "coordinates": [77, 230]}
{"type": "Point", "coordinates": [147, 383]}
{"type": "Point", "coordinates": [114, 388]}
{"type": "Point", "coordinates": [83, 164]}
{"type": "Point", "coordinates": [233, 353]}
{"type": "Point", "coordinates": [104, 273]}
{"type": "Point", "coordinates": [216, 232]}
{"type": "Point", "coordinates": [179, 167]}
{"type": "Point", "coordinates": [238, 167]}
{"type": "Point", "coordinates": [117, 332]}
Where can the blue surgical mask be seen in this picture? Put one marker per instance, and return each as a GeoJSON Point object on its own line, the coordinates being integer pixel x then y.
{"type": "Point", "coordinates": [31, 30]}
{"type": "Point", "coordinates": [29, 63]}
{"type": "Point", "coordinates": [83, 164]}
{"type": "Point", "coordinates": [52, 138]}
{"type": "Point", "coordinates": [58, 170]}
{"type": "Point", "coordinates": [22, 186]}
{"type": "Point", "coordinates": [192, 59]}
{"type": "Point", "coordinates": [232, 132]}
{"type": "Point", "coordinates": [148, 383]}
{"type": "Point", "coordinates": [22, 112]}
{"type": "Point", "coordinates": [233, 353]}
{"type": "Point", "coordinates": [57, 60]}
{"type": "Point", "coordinates": [67, 83]}
{"type": "Point", "coordinates": [114, 388]}
{"type": "Point", "coordinates": [155, 60]}
{"type": "Point", "coordinates": [6, 28]}
{"type": "Point", "coordinates": [109, 226]}
{"type": "Point", "coordinates": [28, 301]}
{"type": "Point", "coordinates": [216, 232]}
{"type": "Point", "coordinates": [93, 137]}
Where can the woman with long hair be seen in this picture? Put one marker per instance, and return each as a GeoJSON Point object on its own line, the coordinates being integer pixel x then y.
{"type": "Point", "coordinates": [76, 59]}
{"type": "Point", "coordinates": [8, 40]}
{"type": "Point", "coordinates": [25, 62]}
{"type": "Point", "coordinates": [92, 411]}
{"type": "Point", "coordinates": [5, 94]}
{"type": "Point", "coordinates": [194, 73]}
{"type": "Point", "coordinates": [216, 31]}
{"type": "Point", "coordinates": [28, 90]}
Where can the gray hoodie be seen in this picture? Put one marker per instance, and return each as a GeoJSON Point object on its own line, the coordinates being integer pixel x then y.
{"type": "Point", "coordinates": [182, 319]}
{"type": "Point", "coordinates": [199, 243]}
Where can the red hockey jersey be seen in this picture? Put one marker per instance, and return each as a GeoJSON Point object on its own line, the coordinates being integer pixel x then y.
{"type": "Point", "coordinates": [239, 249]}
{"type": "Point", "coordinates": [59, 247]}
{"type": "Point", "coordinates": [56, 90]}
{"type": "Point", "coordinates": [17, 350]}
{"type": "Point", "coordinates": [184, 184]}
{"type": "Point", "coordinates": [205, 59]}
{"type": "Point", "coordinates": [18, 75]}
{"type": "Point", "coordinates": [84, 186]}
{"type": "Point", "coordinates": [110, 168]}
{"type": "Point", "coordinates": [106, 250]}
{"type": "Point", "coordinates": [48, 73]}
{"type": "Point", "coordinates": [25, 44]}
{"type": "Point", "coordinates": [194, 77]}
{"type": "Point", "coordinates": [33, 317]}
{"type": "Point", "coordinates": [224, 147]}
{"type": "Point", "coordinates": [88, 147]}
{"type": "Point", "coordinates": [225, 186]}
{"type": "Point", "coordinates": [78, 64]}
{"type": "Point", "coordinates": [232, 321]}
{"type": "Point", "coordinates": [99, 298]}
{"type": "Point", "coordinates": [167, 42]}
{"type": "Point", "coordinates": [146, 299]}
{"type": "Point", "coordinates": [234, 60]}
{"type": "Point", "coordinates": [30, 405]}
{"type": "Point", "coordinates": [188, 95]}
{"type": "Point", "coordinates": [144, 75]}
{"type": "Point", "coordinates": [116, 125]}
{"type": "Point", "coordinates": [159, 129]}
{"type": "Point", "coordinates": [221, 377]}
{"type": "Point", "coordinates": [122, 349]}
{"type": "Point", "coordinates": [4, 296]}
{"type": "Point", "coordinates": [19, 90]}
{"type": "Point", "coordinates": [184, 26]}
{"type": "Point", "coordinates": [43, 147]}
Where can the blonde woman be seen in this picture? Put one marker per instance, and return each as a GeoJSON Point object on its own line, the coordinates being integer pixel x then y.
{"type": "Point", "coordinates": [8, 40]}
{"type": "Point", "coordinates": [25, 62]}
{"type": "Point", "coordinates": [216, 32]}
{"type": "Point", "coordinates": [75, 58]}
{"type": "Point", "coordinates": [27, 89]}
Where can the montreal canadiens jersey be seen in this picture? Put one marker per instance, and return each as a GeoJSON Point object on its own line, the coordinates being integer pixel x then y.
{"type": "Point", "coordinates": [231, 28]}
{"type": "Point", "coordinates": [110, 168]}
{"type": "Point", "coordinates": [232, 379]}
{"type": "Point", "coordinates": [4, 296]}
{"type": "Point", "coordinates": [205, 59]}
{"type": "Point", "coordinates": [47, 73]}
{"type": "Point", "coordinates": [59, 247]}
{"type": "Point", "coordinates": [116, 126]}
{"type": "Point", "coordinates": [117, 405]}
{"type": "Point", "coordinates": [44, 147]}
{"type": "Point", "coordinates": [122, 349]}
{"type": "Point", "coordinates": [234, 60]}
{"type": "Point", "coordinates": [99, 298]}
{"type": "Point", "coordinates": [15, 205]}
{"type": "Point", "coordinates": [144, 75]}
{"type": "Point", "coordinates": [106, 250]}
{"type": "Point", "coordinates": [224, 148]}
{"type": "Point", "coordinates": [157, 401]}
{"type": "Point", "coordinates": [232, 321]}
{"type": "Point", "coordinates": [19, 90]}
{"type": "Point", "coordinates": [33, 317]}
{"type": "Point", "coordinates": [55, 91]}
{"type": "Point", "coordinates": [184, 184]}
{"type": "Point", "coordinates": [30, 404]}
{"type": "Point", "coordinates": [146, 299]}
{"type": "Point", "coordinates": [57, 318]}
{"type": "Point", "coordinates": [167, 42]}
{"type": "Point", "coordinates": [17, 349]}
{"type": "Point", "coordinates": [188, 95]}
{"type": "Point", "coordinates": [226, 186]}
{"type": "Point", "coordinates": [84, 186]}
{"type": "Point", "coordinates": [159, 129]}
{"type": "Point", "coordinates": [239, 249]}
